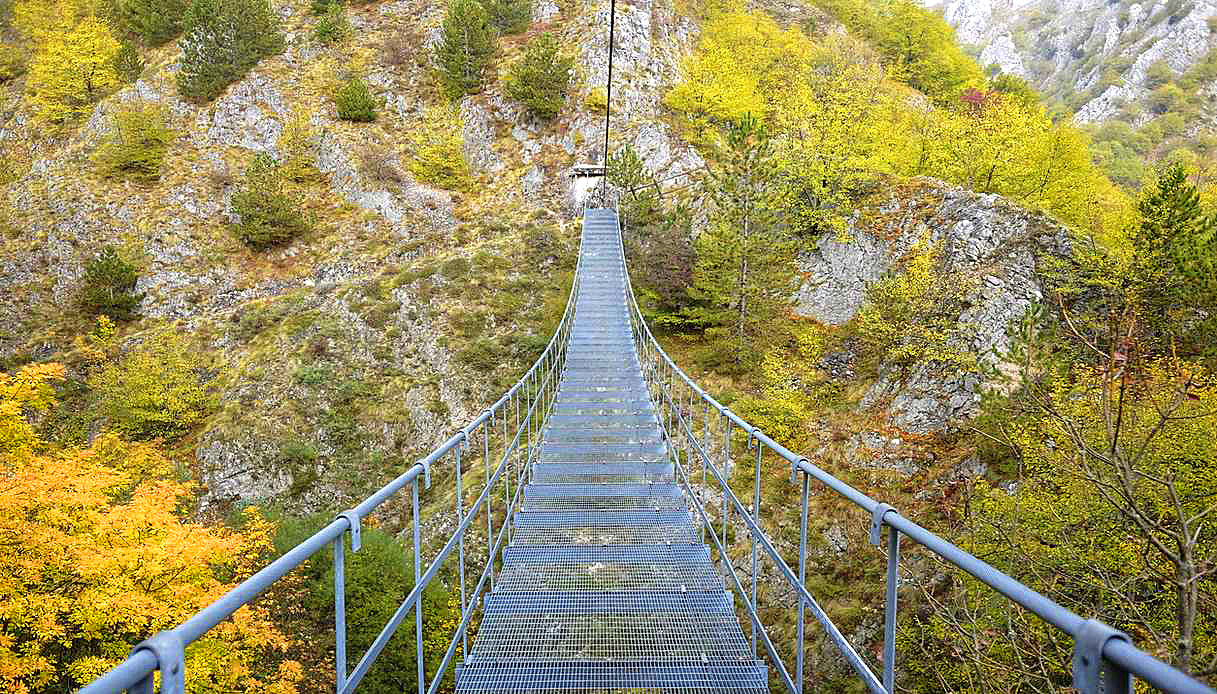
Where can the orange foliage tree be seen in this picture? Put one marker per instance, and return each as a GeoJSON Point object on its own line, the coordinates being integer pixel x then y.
{"type": "Point", "coordinates": [95, 556]}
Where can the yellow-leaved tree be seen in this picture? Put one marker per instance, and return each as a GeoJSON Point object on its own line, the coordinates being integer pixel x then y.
{"type": "Point", "coordinates": [996, 143]}
{"type": "Point", "coordinates": [96, 555]}
{"type": "Point", "coordinates": [837, 134]}
{"type": "Point", "coordinates": [745, 64]}
{"type": "Point", "coordinates": [72, 69]}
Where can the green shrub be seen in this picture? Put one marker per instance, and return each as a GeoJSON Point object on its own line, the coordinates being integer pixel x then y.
{"type": "Point", "coordinates": [135, 149]}
{"type": "Point", "coordinates": [128, 63]}
{"type": "Point", "coordinates": [333, 26]}
{"type": "Point", "coordinates": [268, 214]}
{"type": "Point", "coordinates": [108, 286]}
{"type": "Point", "coordinates": [154, 22]}
{"type": "Point", "coordinates": [437, 147]}
{"type": "Point", "coordinates": [1166, 98]}
{"type": "Point", "coordinates": [541, 78]}
{"type": "Point", "coordinates": [509, 16]}
{"type": "Point", "coordinates": [466, 46]}
{"type": "Point", "coordinates": [154, 391]}
{"type": "Point", "coordinates": [356, 103]}
{"type": "Point", "coordinates": [377, 580]}
{"type": "Point", "coordinates": [224, 40]}
{"type": "Point", "coordinates": [13, 61]}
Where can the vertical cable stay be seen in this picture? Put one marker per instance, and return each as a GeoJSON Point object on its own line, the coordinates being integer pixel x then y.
{"type": "Point", "coordinates": [608, 98]}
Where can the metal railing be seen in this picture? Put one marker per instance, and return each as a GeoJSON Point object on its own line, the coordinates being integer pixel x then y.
{"type": "Point", "coordinates": [1104, 659]}
{"type": "Point", "coordinates": [515, 420]}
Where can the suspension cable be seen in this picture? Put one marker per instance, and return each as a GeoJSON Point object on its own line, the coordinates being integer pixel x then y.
{"type": "Point", "coordinates": [608, 98]}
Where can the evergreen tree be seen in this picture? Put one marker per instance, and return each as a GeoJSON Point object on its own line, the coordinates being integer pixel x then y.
{"type": "Point", "coordinates": [509, 16]}
{"type": "Point", "coordinates": [268, 213]}
{"type": "Point", "coordinates": [155, 22]}
{"type": "Point", "coordinates": [224, 40]}
{"type": "Point", "coordinates": [540, 80]}
{"type": "Point", "coordinates": [108, 286]}
{"type": "Point", "coordinates": [356, 103]}
{"type": "Point", "coordinates": [745, 272]}
{"type": "Point", "coordinates": [1174, 278]}
{"type": "Point", "coordinates": [466, 47]}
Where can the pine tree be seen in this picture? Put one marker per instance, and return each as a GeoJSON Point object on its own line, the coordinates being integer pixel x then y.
{"type": "Point", "coordinates": [541, 78]}
{"type": "Point", "coordinates": [108, 286]}
{"type": "Point", "coordinates": [467, 44]}
{"type": "Point", "coordinates": [224, 40]}
{"type": "Point", "coordinates": [155, 22]}
{"type": "Point", "coordinates": [509, 16]}
{"type": "Point", "coordinates": [1174, 277]}
{"type": "Point", "coordinates": [745, 272]}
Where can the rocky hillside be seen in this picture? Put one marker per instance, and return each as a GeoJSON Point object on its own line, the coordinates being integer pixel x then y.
{"type": "Point", "coordinates": [359, 342]}
{"type": "Point", "coordinates": [1096, 56]}
{"type": "Point", "coordinates": [338, 359]}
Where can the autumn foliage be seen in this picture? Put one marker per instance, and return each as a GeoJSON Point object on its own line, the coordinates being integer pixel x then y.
{"type": "Point", "coordinates": [95, 556]}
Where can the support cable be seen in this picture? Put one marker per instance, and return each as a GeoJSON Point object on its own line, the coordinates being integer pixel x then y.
{"type": "Point", "coordinates": [608, 98]}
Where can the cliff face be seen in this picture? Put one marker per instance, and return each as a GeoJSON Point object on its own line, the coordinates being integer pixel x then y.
{"type": "Point", "coordinates": [1097, 50]}
{"type": "Point", "coordinates": [989, 248]}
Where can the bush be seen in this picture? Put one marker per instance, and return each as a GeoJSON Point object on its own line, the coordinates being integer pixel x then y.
{"type": "Point", "coordinates": [268, 214]}
{"type": "Point", "coordinates": [466, 46]}
{"type": "Point", "coordinates": [298, 148]}
{"type": "Point", "coordinates": [155, 22]}
{"type": "Point", "coordinates": [356, 103]}
{"type": "Point", "coordinates": [12, 62]}
{"type": "Point", "coordinates": [224, 40]}
{"type": "Point", "coordinates": [378, 163]}
{"type": "Point", "coordinates": [108, 286]}
{"type": "Point", "coordinates": [1166, 98]}
{"type": "Point", "coordinates": [333, 26]}
{"type": "Point", "coordinates": [541, 78]}
{"type": "Point", "coordinates": [128, 63]}
{"type": "Point", "coordinates": [400, 49]}
{"type": "Point", "coordinates": [438, 150]}
{"type": "Point", "coordinates": [509, 16]}
{"type": "Point", "coordinates": [376, 581]}
{"type": "Point", "coordinates": [135, 149]}
{"type": "Point", "coordinates": [155, 390]}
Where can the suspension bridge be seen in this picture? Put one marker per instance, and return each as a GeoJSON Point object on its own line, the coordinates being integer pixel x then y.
{"type": "Point", "coordinates": [595, 534]}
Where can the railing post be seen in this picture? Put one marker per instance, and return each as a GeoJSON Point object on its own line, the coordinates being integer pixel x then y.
{"type": "Point", "coordinates": [418, 605]}
{"type": "Point", "coordinates": [756, 518]}
{"type": "Point", "coordinates": [893, 578]}
{"type": "Point", "coordinates": [460, 518]}
{"type": "Point", "coordinates": [725, 476]}
{"type": "Point", "coordinates": [489, 496]}
{"type": "Point", "coordinates": [169, 651]}
{"type": "Point", "coordinates": [1091, 674]}
{"type": "Point", "coordinates": [802, 582]}
{"type": "Point", "coordinates": [340, 615]}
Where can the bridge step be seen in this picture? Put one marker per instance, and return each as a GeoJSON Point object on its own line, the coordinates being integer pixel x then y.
{"type": "Point", "coordinates": [560, 497]}
{"type": "Point", "coordinates": [602, 473]}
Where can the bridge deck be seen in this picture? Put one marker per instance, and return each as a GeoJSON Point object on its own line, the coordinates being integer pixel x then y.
{"type": "Point", "coordinates": [606, 587]}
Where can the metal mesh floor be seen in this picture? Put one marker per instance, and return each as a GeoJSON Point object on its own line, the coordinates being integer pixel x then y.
{"type": "Point", "coordinates": [605, 586]}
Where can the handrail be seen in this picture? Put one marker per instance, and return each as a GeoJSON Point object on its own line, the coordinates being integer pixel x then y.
{"type": "Point", "coordinates": [165, 651]}
{"type": "Point", "coordinates": [1104, 660]}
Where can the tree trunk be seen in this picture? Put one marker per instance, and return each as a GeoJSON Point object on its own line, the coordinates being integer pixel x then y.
{"type": "Point", "coordinates": [1188, 589]}
{"type": "Point", "coordinates": [743, 282]}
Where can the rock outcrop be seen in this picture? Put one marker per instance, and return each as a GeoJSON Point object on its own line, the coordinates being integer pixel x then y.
{"type": "Point", "coordinates": [989, 245]}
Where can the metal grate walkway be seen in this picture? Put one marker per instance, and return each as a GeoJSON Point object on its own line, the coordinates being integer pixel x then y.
{"type": "Point", "coordinates": [605, 587]}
